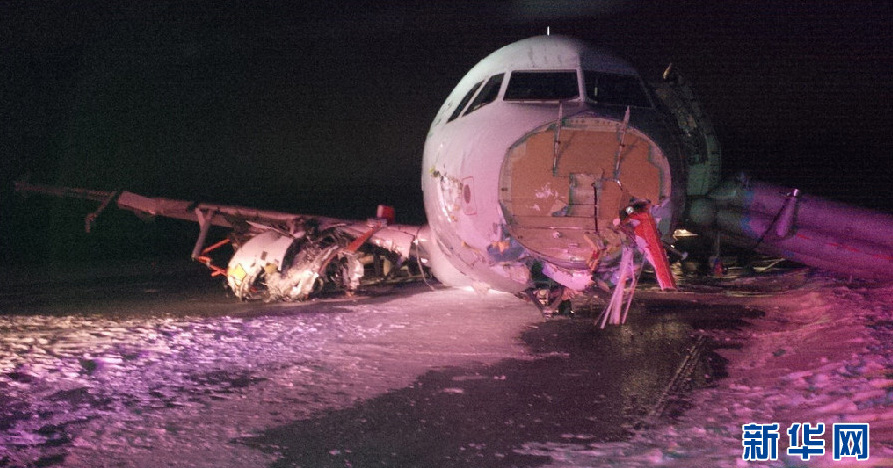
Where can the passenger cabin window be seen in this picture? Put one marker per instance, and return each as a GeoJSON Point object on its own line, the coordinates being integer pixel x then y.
{"type": "Point", "coordinates": [542, 86]}
{"type": "Point", "coordinates": [624, 90]}
{"type": "Point", "coordinates": [458, 111]}
{"type": "Point", "coordinates": [487, 95]}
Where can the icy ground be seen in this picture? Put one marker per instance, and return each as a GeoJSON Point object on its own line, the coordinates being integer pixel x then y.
{"type": "Point", "coordinates": [822, 353]}
{"type": "Point", "coordinates": [130, 384]}
{"type": "Point", "coordinates": [151, 389]}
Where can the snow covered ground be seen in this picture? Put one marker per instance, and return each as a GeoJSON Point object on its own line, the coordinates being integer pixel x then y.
{"type": "Point", "coordinates": [129, 384]}
{"type": "Point", "coordinates": [823, 353]}
{"type": "Point", "coordinates": [153, 389]}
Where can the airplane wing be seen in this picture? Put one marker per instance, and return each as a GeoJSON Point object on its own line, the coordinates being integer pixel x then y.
{"type": "Point", "coordinates": [278, 255]}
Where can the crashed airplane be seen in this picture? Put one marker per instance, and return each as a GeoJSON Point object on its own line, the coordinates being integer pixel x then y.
{"type": "Point", "coordinates": [552, 168]}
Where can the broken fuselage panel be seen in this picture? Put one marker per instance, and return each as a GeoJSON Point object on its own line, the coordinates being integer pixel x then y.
{"type": "Point", "coordinates": [532, 158]}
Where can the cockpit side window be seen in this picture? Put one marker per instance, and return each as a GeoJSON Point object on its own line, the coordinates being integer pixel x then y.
{"type": "Point", "coordinates": [487, 95]}
{"type": "Point", "coordinates": [542, 86]}
{"type": "Point", "coordinates": [605, 88]}
{"type": "Point", "coordinates": [458, 111]}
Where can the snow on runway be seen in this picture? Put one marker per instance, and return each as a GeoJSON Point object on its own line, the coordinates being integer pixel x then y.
{"type": "Point", "coordinates": [90, 389]}
{"type": "Point", "coordinates": [823, 353]}
{"type": "Point", "coordinates": [161, 378]}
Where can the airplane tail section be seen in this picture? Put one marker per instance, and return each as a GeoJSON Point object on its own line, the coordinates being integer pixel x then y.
{"type": "Point", "coordinates": [817, 232]}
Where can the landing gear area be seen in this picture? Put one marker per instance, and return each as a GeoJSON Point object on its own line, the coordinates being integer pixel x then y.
{"type": "Point", "coordinates": [552, 301]}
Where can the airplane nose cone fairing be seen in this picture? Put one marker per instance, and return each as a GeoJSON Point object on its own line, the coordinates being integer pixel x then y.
{"type": "Point", "coordinates": [561, 196]}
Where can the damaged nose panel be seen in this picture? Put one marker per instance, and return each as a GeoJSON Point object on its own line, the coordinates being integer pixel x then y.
{"type": "Point", "coordinates": [563, 185]}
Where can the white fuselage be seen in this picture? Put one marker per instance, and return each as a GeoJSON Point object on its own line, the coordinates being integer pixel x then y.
{"type": "Point", "coordinates": [519, 176]}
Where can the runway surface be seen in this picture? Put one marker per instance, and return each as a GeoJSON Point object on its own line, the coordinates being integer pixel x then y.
{"type": "Point", "coordinates": [155, 366]}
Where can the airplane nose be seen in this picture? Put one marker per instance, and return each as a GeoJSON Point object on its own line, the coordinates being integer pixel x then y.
{"type": "Point", "coordinates": [563, 185]}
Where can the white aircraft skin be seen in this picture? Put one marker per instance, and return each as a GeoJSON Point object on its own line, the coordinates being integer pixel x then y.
{"type": "Point", "coordinates": [466, 160]}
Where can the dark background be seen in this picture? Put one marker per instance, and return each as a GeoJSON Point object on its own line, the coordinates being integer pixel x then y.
{"type": "Point", "coordinates": [324, 107]}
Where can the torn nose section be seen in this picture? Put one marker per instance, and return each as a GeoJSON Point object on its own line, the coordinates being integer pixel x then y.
{"type": "Point", "coordinates": [563, 185]}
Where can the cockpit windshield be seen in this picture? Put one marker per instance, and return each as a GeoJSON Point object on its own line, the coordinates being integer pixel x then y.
{"type": "Point", "coordinates": [625, 90]}
{"type": "Point", "coordinates": [487, 95]}
{"type": "Point", "coordinates": [470, 94]}
{"type": "Point", "coordinates": [542, 86]}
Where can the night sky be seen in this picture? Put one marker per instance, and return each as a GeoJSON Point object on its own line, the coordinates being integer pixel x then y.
{"type": "Point", "coordinates": [324, 107]}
